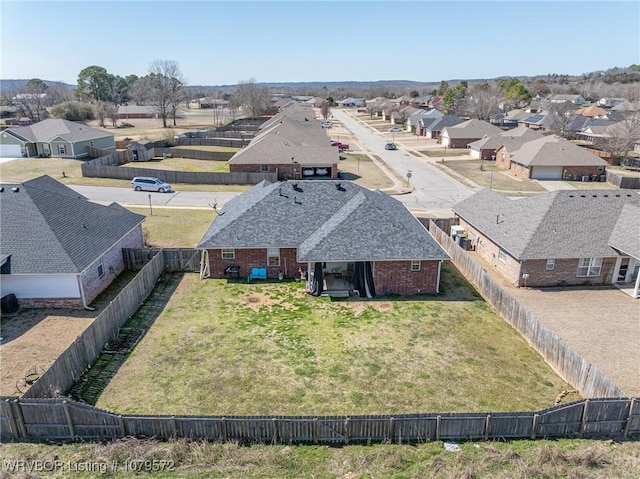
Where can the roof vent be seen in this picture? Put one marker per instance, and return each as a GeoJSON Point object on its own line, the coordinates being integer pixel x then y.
{"type": "Point", "coordinates": [339, 187]}
{"type": "Point", "coordinates": [1, 189]}
{"type": "Point", "coordinates": [281, 193]}
{"type": "Point", "coordinates": [295, 200]}
{"type": "Point", "coordinates": [15, 189]}
{"type": "Point", "coordinates": [296, 187]}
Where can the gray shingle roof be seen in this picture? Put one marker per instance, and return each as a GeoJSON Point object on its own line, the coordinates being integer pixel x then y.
{"type": "Point", "coordinates": [324, 222]}
{"type": "Point", "coordinates": [444, 121]}
{"type": "Point", "coordinates": [472, 129]}
{"type": "Point", "coordinates": [47, 130]}
{"type": "Point", "coordinates": [554, 151]}
{"type": "Point", "coordinates": [49, 228]}
{"type": "Point", "coordinates": [625, 236]}
{"type": "Point", "coordinates": [558, 224]}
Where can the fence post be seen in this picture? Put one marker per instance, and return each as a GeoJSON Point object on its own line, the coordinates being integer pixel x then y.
{"type": "Point", "coordinates": [629, 416]}
{"type": "Point", "coordinates": [174, 426]}
{"type": "Point", "coordinates": [276, 432]}
{"type": "Point", "coordinates": [534, 425]}
{"type": "Point", "coordinates": [346, 431]}
{"type": "Point", "coordinates": [391, 430]}
{"type": "Point", "coordinates": [13, 426]}
{"type": "Point", "coordinates": [67, 413]}
{"type": "Point", "coordinates": [314, 431]}
{"type": "Point", "coordinates": [20, 419]}
{"type": "Point", "coordinates": [583, 421]}
{"type": "Point", "coordinates": [224, 429]}
{"type": "Point", "coordinates": [487, 425]}
{"type": "Point", "coordinates": [438, 427]}
{"type": "Point", "coordinates": [123, 426]}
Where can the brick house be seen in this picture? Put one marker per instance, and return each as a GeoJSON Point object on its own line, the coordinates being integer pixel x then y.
{"type": "Point", "coordinates": [292, 144]}
{"type": "Point", "coordinates": [58, 249]}
{"type": "Point", "coordinates": [339, 236]}
{"type": "Point", "coordinates": [460, 135]}
{"type": "Point", "coordinates": [555, 238]}
{"type": "Point", "coordinates": [553, 158]}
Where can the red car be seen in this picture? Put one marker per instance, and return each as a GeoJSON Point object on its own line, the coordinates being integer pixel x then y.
{"type": "Point", "coordinates": [341, 146]}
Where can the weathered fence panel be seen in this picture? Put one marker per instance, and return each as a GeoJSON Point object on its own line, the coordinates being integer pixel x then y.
{"type": "Point", "coordinates": [576, 370]}
{"type": "Point", "coordinates": [175, 259]}
{"type": "Point", "coordinates": [61, 419]}
{"type": "Point", "coordinates": [621, 181]}
{"type": "Point", "coordinates": [80, 354]}
{"type": "Point", "coordinates": [195, 154]}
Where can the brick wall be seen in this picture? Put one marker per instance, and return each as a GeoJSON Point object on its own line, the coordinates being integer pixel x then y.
{"type": "Point", "coordinates": [577, 172]}
{"type": "Point", "coordinates": [285, 171]}
{"type": "Point", "coordinates": [255, 258]}
{"type": "Point", "coordinates": [519, 170]}
{"type": "Point", "coordinates": [565, 273]}
{"type": "Point", "coordinates": [113, 264]}
{"type": "Point", "coordinates": [66, 303]}
{"type": "Point", "coordinates": [396, 277]}
{"type": "Point", "coordinates": [502, 157]}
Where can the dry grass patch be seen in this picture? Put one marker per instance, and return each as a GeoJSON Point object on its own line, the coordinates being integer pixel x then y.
{"type": "Point", "coordinates": [363, 171]}
{"type": "Point", "coordinates": [272, 349]}
{"type": "Point", "coordinates": [174, 227]}
{"type": "Point", "coordinates": [182, 164]}
{"type": "Point", "coordinates": [498, 178]}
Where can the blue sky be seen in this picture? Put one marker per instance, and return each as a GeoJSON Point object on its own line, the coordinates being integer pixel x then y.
{"type": "Point", "coordinates": [218, 43]}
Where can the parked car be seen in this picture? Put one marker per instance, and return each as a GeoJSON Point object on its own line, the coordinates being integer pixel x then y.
{"type": "Point", "coordinates": [327, 124]}
{"type": "Point", "coordinates": [341, 146]}
{"type": "Point", "coordinates": [394, 129]}
{"type": "Point", "coordinates": [147, 183]}
{"type": "Point", "coordinates": [390, 146]}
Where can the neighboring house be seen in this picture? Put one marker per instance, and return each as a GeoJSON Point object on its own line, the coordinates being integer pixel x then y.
{"type": "Point", "coordinates": [487, 148]}
{"type": "Point", "coordinates": [511, 141]}
{"type": "Point", "coordinates": [556, 238]}
{"type": "Point", "coordinates": [58, 249]}
{"type": "Point", "coordinates": [338, 235]}
{"type": "Point", "coordinates": [610, 102]}
{"type": "Point", "coordinates": [54, 137]}
{"type": "Point", "coordinates": [575, 99]}
{"type": "Point", "coordinates": [554, 158]}
{"type": "Point", "coordinates": [432, 127]}
{"type": "Point", "coordinates": [591, 111]}
{"type": "Point", "coordinates": [131, 111]}
{"type": "Point", "coordinates": [413, 122]}
{"type": "Point", "coordinates": [400, 117]}
{"type": "Point", "coordinates": [352, 102]}
{"type": "Point", "coordinates": [293, 145]}
{"type": "Point", "coordinates": [460, 135]}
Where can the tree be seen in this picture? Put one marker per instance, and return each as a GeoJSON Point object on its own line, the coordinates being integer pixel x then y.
{"type": "Point", "coordinates": [139, 90]}
{"type": "Point", "coordinates": [559, 118]}
{"type": "Point", "coordinates": [515, 92]}
{"type": "Point", "coordinates": [94, 83]}
{"type": "Point", "coordinates": [620, 137]}
{"type": "Point", "coordinates": [540, 87]}
{"type": "Point", "coordinates": [32, 99]}
{"type": "Point", "coordinates": [454, 100]}
{"type": "Point", "coordinates": [253, 98]}
{"type": "Point", "coordinates": [444, 86]}
{"type": "Point", "coordinates": [167, 88]}
{"type": "Point", "coordinates": [324, 109]}
{"type": "Point", "coordinates": [482, 99]}
{"type": "Point", "coordinates": [73, 111]}
{"type": "Point", "coordinates": [414, 94]}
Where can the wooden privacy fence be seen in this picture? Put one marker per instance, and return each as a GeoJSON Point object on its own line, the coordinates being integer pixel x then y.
{"type": "Point", "coordinates": [171, 176]}
{"type": "Point", "coordinates": [61, 419]}
{"type": "Point", "coordinates": [70, 365]}
{"type": "Point", "coordinates": [630, 182]}
{"type": "Point", "coordinates": [177, 259]}
{"type": "Point", "coordinates": [195, 154]}
{"type": "Point", "coordinates": [576, 370]}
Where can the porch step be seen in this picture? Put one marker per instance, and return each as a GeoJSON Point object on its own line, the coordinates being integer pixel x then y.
{"type": "Point", "coordinates": [336, 293]}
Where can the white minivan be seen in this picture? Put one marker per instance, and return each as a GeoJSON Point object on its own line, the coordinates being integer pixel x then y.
{"type": "Point", "coordinates": [148, 183]}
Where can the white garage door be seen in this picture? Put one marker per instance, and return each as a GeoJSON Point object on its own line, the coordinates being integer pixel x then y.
{"type": "Point", "coordinates": [10, 151]}
{"type": "Point", "coordinates": [547, 173]}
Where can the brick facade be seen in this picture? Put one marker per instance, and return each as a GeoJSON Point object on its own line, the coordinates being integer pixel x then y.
{"type": "Point", "coordinates": [65, 303]}
{"type": "Point", "coordinates": [390, 277]}
{"type": "Point", "coordinates": [246, 259]}
{"type": "Point", "coordinates": [285, 171]}
{"type": "Point", "coordinates": [564, 272]}
{"type": "Point", "coordinates": [576, 173]}
{"type": "Point", "coordinates": [112, 265]}
{"type": "Point", "coordinates": [396, 277]}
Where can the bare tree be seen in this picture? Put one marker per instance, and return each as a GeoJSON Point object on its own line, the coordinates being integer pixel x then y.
{"type": "Point", "coordinates": [112, 114]}
{"type": "Point", "coordinates": [324, 109]}
{"type": "Point", "coordinates": [559, 118]}
{"type": "Point", "coordinates": [167, 88]}
{"type": "Point", "coordinates": [482, 100]}
{"type": "Point", "coordinates": [234, 106]}
{"type": "Point", "coordinates": [253, 98]}
{"type": "Point", "coordinates": [620, 137]}
{"type": "Point", "coordinates": [139, 91]}
{"type": "Point", "coordinates": [100, 112]}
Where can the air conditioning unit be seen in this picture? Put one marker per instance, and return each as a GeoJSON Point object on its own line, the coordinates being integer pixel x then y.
{"type": "Point", "coordinates": [585, 178]}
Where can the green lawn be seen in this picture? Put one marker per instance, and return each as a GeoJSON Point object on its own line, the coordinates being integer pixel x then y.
{"type": "Point", "coordinates": [238, 348]}
{"type": "Point", "coordinates": [182, 164]}
{"type": "Point", "coordinates": [225, 149]}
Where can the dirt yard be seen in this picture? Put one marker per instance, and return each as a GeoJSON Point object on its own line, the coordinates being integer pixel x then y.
{"type": "Point", "coordinates": [34, 338]}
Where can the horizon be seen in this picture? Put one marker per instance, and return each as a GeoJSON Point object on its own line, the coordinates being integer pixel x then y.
{"type": "Point", "coordinates": [299, 42]}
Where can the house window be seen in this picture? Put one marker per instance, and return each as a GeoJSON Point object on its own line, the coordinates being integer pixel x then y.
{"type": "Point", "coordinates": [91, 143]}
{"type": "Point", "coordinates": [100, 268]}
{"type": "Point", "coordinates": [415, 266]}
{"type": "Point", "coordinates": [62, 149]}
{"type": "Point", "coordinates": [589, 267]}
{"type": "Point", "coordinates": [264, 168]}
{"type": "Point", "coordinates": [502, 256]}
{"type": "Point", "coordinates": [551, 265]}
{"type": "Point", "coordinates": [229, 253]}
{"type": "Point", "coordinates": [273, 256]}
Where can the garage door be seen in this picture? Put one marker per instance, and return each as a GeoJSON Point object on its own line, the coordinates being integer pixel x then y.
{"type": "Point", "coordinates": [547, 173]}
{"type": "Point", "coordinates": [10, 151]}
